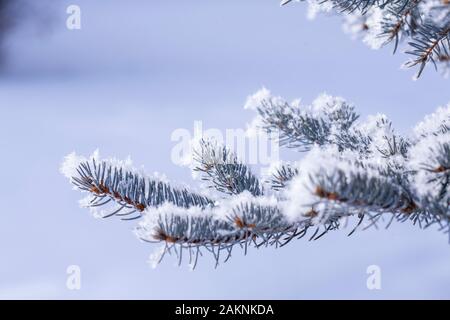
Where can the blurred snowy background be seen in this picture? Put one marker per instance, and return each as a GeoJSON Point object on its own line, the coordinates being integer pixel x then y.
{"type": "Point", "coordinates": [134, 73]}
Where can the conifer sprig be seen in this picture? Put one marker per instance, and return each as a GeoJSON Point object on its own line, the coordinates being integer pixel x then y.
{"type": "Point", "coordinates": [351, 168]}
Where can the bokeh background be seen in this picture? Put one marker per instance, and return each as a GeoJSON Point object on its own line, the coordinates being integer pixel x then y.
{"type": "Point", "coordinates": [137, 71]}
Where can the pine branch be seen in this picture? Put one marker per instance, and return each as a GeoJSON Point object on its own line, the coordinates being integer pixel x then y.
{"type": "Point", "coordinates": [282, 175]}
{"type": "Point", "coordinates": [423, 24]}
{"type": "Point", "coordinates": [221, 168]}
{"type": "Point", "coordinates": [359, 5]}
{"type": "Point", "coordinates": [364, 5]}
{"type": "Point", "coordinates": [302, 128]}
{"type": "Point", "coordinates": [362, 189]}
{"type": "Point", "coordinates": [111, 181]}
{"type": "Point", "coordinates": [432, 43]}
{"type": "Point", "coordinates": [401, 19]}
{"type": "Point", "coordinates": [352, 168]}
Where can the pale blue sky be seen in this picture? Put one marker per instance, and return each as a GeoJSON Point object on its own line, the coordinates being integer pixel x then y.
{"type": "Point", "coordinates": [136, 72]}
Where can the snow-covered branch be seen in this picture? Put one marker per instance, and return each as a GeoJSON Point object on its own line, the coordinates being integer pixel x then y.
{"type": "Point", "coordinates": [221, 168]}
{"type": "Point", "coordinates": [423, 24]}
{"type": "Point", "coordinates": [351, 168]}
{"type": "Point", "coordinates": [127, 191]}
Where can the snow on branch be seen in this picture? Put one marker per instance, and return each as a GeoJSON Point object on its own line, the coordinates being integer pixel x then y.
{"type": "Point", "coordinates": [337, 185]}
{"type": "Point", "coordinates": [324, 122]}
{"type": "Point", "coordinates": [351, 168]}
{"type": "Point", "coordinates": [281, 174]}
{"type": "Point", "coordinates": [129, 191]}
{"type": "Point", "coordinates": [430, 161]}
{"type": "Point", "coordinates": [423, 24]}
{"type": "Point", "coordinates": [222, 169]}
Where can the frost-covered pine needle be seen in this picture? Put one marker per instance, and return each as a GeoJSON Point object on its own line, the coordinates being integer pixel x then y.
{"type": "Point", "coordinates": [352, 168]}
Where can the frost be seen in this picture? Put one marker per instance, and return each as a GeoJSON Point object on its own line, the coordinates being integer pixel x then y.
{"type": "Point", "coordinates": [333, 170]}
{"type": "Point", "coordinates": [351, 168]}
{"type": "Point", "coordinates": [275, 166]}
{"type": "Point", "coordinates": [428, 157]}
{"type": "Point", "coordinates": [156, 257]}
{"type": "Point", "coordinates": [355, 24]}
{"type": "Point", "coordinates": [416, 24]}
{"type": "Point", "coordinates": [299, 195]}
{"type": "Point", "coordinates": [316, 7]}
{"type": "Point", "coordinates": [226, 206]}
{"type": "Point", "coordinates": [382, 141]}
{"type": "Point", "coordinates": [254, 128]}
{"type": "Point", "coordinates": [374, 29]}
{"type": "Point", "coordinates": [434, 122]}
{"type": "Point", "coordinates": [256, 99]}
{"type": "Point", "coordinates": [72, 161]}
{"type": "Point", "coordinates": [325, 103]}
{"type": "Point", "coordinates": [435, 10]}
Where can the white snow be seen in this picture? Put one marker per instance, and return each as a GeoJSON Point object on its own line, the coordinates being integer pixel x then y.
{"type": "Point", "coordinates": [355, 24]}
{"type": "Point", "coordinates": [372, 36]}
{"type": "Point", "coordinates": [299, 195]}
{"type": "Point", "coordinates": [316, 7]}
{"type": "Point", "coordinates": [326, 104]}
{"type": "Point", "coordinates": [254, 101]}
{"type": "Point", "coordinates": [423, 157]}
{"type": "Point", "coordinates": [72, 161]}
{"type": "Point", "coordinates": [433, 122]}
